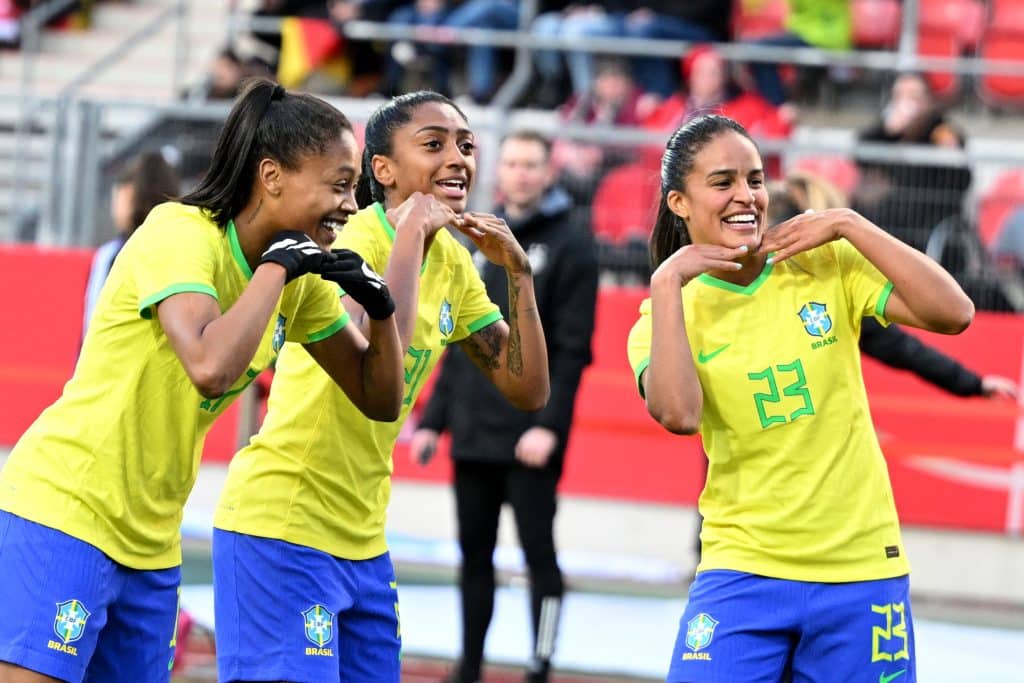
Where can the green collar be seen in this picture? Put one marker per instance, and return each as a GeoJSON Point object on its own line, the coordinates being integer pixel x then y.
{"type": "Point", "coordinates": [236, 250]}
{"type": "Point", "coordinates": [748, 290]}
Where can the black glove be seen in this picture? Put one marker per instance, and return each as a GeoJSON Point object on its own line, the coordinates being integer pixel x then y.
{"type": "Point", "coordinates": [348, 269]}
{"type": "Point", "coordinates": [296, 252]}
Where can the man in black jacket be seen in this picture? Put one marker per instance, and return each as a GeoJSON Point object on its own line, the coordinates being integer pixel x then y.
{"type": "Point", "coordinates": [502, 454]}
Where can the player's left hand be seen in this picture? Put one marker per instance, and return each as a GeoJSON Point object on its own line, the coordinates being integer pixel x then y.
{"type": "Point", "coordinates": [495, 240]}
{"type": "Point", "coordinates": [535, 446]}
{"type": "Point", "coordinates": [805, 231]}
{"type": "Point", "coordinates": [358, 279]}
{"type": "Point", "coordinates": [994, 386]}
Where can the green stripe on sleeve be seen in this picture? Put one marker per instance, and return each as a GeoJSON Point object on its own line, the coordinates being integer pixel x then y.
{"type": "Point", "coordinates": [639, 370]}
{"type": "Point", "coordinates": [180, 288]}
{"type": "Point", "coordinates": [328, 331]}
{"type": "Point", "coordinates": [481, 323]}
{"type": "Point", "coordinates": [883, 300]}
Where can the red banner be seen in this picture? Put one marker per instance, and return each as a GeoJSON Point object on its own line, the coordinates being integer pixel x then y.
{"type": "Point", "coordinates": [953, 461]}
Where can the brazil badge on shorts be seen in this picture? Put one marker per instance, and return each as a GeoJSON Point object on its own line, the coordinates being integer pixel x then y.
{"type": "Point", "coordinates": [319, 623]}
{"type": "Point", "coordinates": [699, 632]}
{"type": "Point", "coordinates": [69, 625]}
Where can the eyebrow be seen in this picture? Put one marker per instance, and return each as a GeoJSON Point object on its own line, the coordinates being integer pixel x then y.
{"type": "Point", "coordinates": [442, 129]}
{"type": "Point", "coordinates": [731, 171]}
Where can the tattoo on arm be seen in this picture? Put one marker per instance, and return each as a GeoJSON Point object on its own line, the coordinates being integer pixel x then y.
{"type": "Point", "coordinates": [484, 348]}
{"type": "Point", "coordinates": [515, 350]}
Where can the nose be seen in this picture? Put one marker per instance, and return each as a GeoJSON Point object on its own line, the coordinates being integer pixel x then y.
{"type": "Point", "coordinates": [745, 193]}
{"type": "Point", "coordinates": [455, 158]}
{"type": "Point", "coordinates": [348, 203]}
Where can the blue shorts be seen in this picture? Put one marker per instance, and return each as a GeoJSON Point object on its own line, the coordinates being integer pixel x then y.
{"type": "Point", "coordinates": [79, 613]}
{"type": "Point", "coordinates": [289, 612]}
{"type": "Point", "coordinates": [743, 627]}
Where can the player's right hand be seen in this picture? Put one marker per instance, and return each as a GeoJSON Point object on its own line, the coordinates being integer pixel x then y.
{"type": "Point", "coordinates": [693, 259]}
{"type": "Point", "coordinates": [424, 211]}
{"type": "Point", "coordinates": [423, 445]}
{"type": "Point", "coordinates": [295, 252]}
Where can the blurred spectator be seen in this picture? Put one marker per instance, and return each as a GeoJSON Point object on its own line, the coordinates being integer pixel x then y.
{"type": "Point", "coordinates": [148, 181]}
{"type": "Point", "coordinates": [364, 56]}
{"type": "Point", "coordinates": [909, 199]}
{"type": "Point", "coordinates": [709, 88]}
{"type": "Point", "coordinates": [695, 20]}
{"type": "Point", "coordinates": [77, 15]}
{"type": "Point", "coordinates": [825, 24]}
{"type": "Point", "coordinates": [482, 60]}
{"type": "Point", "coordinates": [1008, 248]}
{"type": "Point", "coordinates": [428, 13]}
{"type": "Point", "coordinates": [228, 71]}
{"type": "Point", "coordinates": [571, 21]}
{"type": "Point", "coordinates": [613, 99]}
{"type": "Point", "coordinates": [501, 454]}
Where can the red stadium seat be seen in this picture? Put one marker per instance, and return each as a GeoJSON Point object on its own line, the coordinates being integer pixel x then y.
{"type": "Point", "coordinates": [948, 28]}
{"type": "Point", "coordinates": [876, 23]}
{"type": "Point", "coordinates": [758, 18]}
{"type": "Point", "coordinates": [1004, 195]}
{"type": "Point", "coordinates": [1002, 89]}
{"type": "Point", "coordinates": [625, 203]}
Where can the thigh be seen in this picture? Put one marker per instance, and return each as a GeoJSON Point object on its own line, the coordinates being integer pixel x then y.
{"type": "Point", "coordinates": [369, 633]}
{"type": "Point", "coordinates": [479, 494]}
{"type": "Point", "coordinates": [275, 607]}
{"type": "Point", "coordinates": [138, 642]}
{"type": "Point", "coordinates": [857, 632]}
{"type": "Point", "coordinates": [60, 588]}
{"type": "Point", "coordinates": [532, 493]}
{"type": "Point", "coordinates": [736, 627]}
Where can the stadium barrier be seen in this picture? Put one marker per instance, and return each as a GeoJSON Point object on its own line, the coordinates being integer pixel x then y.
{"type": "Point", "coordinates": [954, 463]}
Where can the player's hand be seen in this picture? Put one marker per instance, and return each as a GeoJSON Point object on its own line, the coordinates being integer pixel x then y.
{"type": "Point", "coordinates": [806, 231]}
{"type": "Point", "coordinates": [423, 211]}
{"type": "Point", "coordinates": [295, 252]}
{"type": "Point", "coordinates": [535, 446]}
{"type": "Point", "coordinates": [423, 445]}
{"type": "Point", "coordinates": [348, 269]}
{"type": "Point", "coordinates": [994, 386]}
{"type": "Point", "coordinates": [495, 240]}
{"type": "Point", "coordinates": [693, 259]}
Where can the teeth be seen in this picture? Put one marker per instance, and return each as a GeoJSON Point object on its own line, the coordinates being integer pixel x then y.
{"type": "Point", "coordinates": [740, 219]}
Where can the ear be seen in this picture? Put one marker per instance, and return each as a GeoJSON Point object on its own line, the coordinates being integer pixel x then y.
{"type": "Point", "coordinates": [268, 171]}
{"type": "Point", "coordinates": [383, 170]}
{"type": "Point", "coordinates": [678, 204]}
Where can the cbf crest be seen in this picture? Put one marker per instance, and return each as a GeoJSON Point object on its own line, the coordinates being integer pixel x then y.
{"type": "Point", "coordinates": [444, 319]}
{"type": "Point", "coordinates": [816, 319]}
{"type": "Point", "coordinates": [277, 341]}
{"type": "Point", "coordinates": [319, 623]}
{"type": "Point", "coordinates": [69, 625]}
{"type": "Point", "coordinates": [699, 631]}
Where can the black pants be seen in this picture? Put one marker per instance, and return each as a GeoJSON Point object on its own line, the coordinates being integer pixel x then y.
{"type": "Point", "coordinates": [480, 491]}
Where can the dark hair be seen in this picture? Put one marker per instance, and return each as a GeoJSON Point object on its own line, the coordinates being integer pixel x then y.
{"type": "Point", "coordinates": [266, 121]}
{"type": "Point", "coordinates": [380, 132]}
{"type": "Point", "coordinates": [153, 181]}
{"type": "Point", "coordinates": [530, 135]}
{"type": "Point", "coordinates": [670, 231]}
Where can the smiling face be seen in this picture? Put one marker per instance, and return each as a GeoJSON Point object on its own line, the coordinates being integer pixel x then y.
{"type": "Point", "coordinates": [725, 200]}
{"type": "Point", "coordinates": [434, 153]}
{"type": "Point", "coordinates": [318, 197]}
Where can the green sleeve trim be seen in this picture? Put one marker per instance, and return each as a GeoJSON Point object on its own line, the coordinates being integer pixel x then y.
{"type": "Point", "coordinates": [639, 370]}
{"type": "Point", "coordinates": [481, 323]}
{"type": "Point", "coordinates": [146, 304]}
{"type": "Point", "coordinates": [883, 300]}
{"type": "Point", "coordinates": [328, 331]}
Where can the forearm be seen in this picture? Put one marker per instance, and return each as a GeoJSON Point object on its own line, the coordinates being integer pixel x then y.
{"type": "Point", "coordinates": [403, 277]}
{"type": "Point", "coordinates": [934, 299]}
{"type": "Point", "coordinates": [227, 344]}
{"type": "Point", "coordinates": [672, 388]}
{"type": "Point", "coordinates": [382, 373]}
{"type": "Point", "coordinates": [524, 369]}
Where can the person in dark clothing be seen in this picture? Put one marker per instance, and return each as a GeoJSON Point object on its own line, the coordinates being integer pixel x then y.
{"type": "Point", "coordinates": [910, 199]}
{"type": "Point", "coordinates": [502, 454]}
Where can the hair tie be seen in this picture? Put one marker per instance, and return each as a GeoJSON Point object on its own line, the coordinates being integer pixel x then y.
{"type": "Point", "coordinates": [278, 93]}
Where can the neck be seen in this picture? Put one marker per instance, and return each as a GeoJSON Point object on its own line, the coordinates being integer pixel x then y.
{"type": "Point", "coordinates": [254, 233]}
{"type": "Point", "coordinates": [517, 211]}
{"type": "Point", "coordinates": [753, 266]}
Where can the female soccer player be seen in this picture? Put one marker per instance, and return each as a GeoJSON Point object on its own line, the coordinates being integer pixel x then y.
{"type": "Point", "coordinates": [750, 338]}
{"type": "Point", "coordinates": [303, 583]}
{"type": "Point", "coordinates": [198, 303]}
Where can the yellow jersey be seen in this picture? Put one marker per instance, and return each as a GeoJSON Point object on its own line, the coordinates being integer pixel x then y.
{"type": "Point", "coordinates": [318, 473]}
{"type": "Point", "coordinates": [797, 485]}
{"type": "Point", "coordinates": [113, 460]}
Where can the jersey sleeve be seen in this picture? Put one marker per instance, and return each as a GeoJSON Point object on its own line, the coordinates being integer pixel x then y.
{"type": "Point", "coordinates": [318, 310]}
{"type": "Point", "coordinates": [476, 310]}
{"type": "Point", "coordinates": [638, 344]}
{"type": "Point", "coordinates": [172, 253]}
{"type": "Point", "coordinates": [867, 290]}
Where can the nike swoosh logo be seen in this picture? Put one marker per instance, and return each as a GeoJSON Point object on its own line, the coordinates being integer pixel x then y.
{"type": "Point", "coordinates": [882, 678]}
{"type": "Point", "coordinates": [704, 358]}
